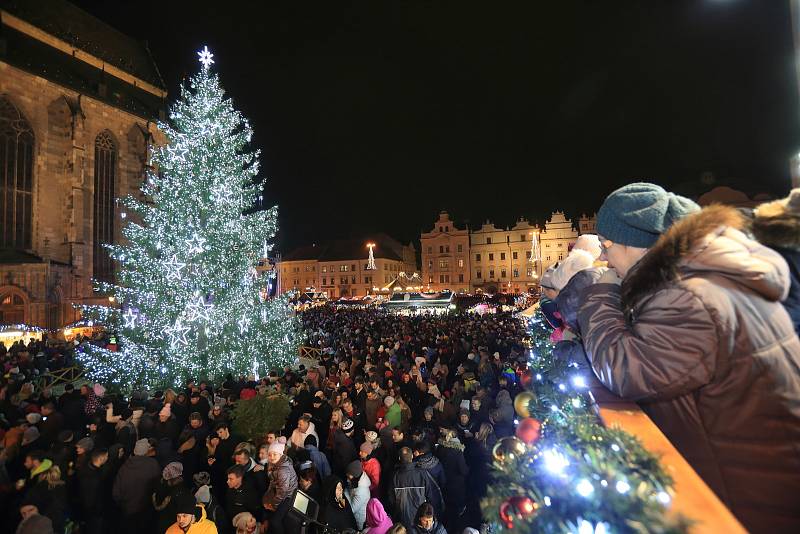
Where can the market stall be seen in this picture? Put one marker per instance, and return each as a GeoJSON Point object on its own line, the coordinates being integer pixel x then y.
{"type": "Point", "coordinates": [11, 333]}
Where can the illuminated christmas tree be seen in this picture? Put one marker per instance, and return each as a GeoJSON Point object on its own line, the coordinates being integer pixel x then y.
{"type": "Point", "coordinates": [190, 300]}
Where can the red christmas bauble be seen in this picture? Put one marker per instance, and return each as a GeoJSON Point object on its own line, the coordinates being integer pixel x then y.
{"type": "Point", "coordinates": [525, 378]}
{"type": "Point", "coordinates": [529, 430]}
{"type": "Point", "coordinates": [517, 507]}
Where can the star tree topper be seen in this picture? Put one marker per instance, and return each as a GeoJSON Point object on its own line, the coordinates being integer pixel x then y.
{"type": "Point", "coordinates": [205, 57]}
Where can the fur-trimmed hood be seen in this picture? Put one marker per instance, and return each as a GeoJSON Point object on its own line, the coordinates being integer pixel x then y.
{"type": "Point", "coordinates": [708, 241]}
{"type": "Point", "coordinates": [777, 223]}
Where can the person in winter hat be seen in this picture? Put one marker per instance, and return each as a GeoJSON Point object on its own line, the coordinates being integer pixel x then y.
{"type": "Point", "coordinates": [371, 467]}
{"type": "Point", "coordinates": [358, 491]}
{"type": "Point", "coordinates": [590, 243]}
{"type": "Point", "coordinates": [687, 319]}
{"type": "Point", "coordinates": [777, 225]}
{"type": "Point", "coordinates": [549, 292]}
{"type": "Point", "coordinates": [190, 517]}
{"type": "Point", "coordinates": [568, 302]}
{"type": "Point", "coordinates": [344, 449]}
{"type": "Point", "coordinates": [577, 260]}
{"type": "Point", "coordinates": [133, 486]}
{"type": "Point", "coordinates": [282, 485]}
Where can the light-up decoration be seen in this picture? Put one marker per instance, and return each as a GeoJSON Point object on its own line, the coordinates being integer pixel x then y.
{"type": "Point", "coordinates": [584, 488]}
{"type": "Point", "coordinates": [205, 57]}
{"type": "Point", "coordinates": [554, 461]}
{"type": "Point", "coordinates": [191, 237]}
{"type": "Point", "coordinates": [195, 244]}
{"type": "Point", "coordinates": [199, 309]}
{"type": "Point", "coordinates": [371, 261]}
{"type": "Point", "coordinates": [130, 318]}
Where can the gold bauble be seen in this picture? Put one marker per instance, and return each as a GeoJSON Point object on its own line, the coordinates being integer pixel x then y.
{"type": "Point", "coordinates": [507, 450]}
{"type": "Point", "coordinates": [522, 403]}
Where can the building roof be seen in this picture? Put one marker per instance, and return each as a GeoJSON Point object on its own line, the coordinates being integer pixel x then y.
{"type": "Point", "coordinates": [81, 30]}
{"type": "Point", "coordinates": [386, 247]}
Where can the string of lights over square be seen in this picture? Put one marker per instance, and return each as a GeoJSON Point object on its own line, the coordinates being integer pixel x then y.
{"type": "Point", "coordinates": [564, 471]}
{"type": "Point", "coordinates": [190, 300]}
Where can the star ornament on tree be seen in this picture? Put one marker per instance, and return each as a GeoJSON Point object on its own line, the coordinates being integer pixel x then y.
{"type": "Point", "coordinates": [205, 57]}
{"type": "Point", "coordinates": [199, 309]}
{"type": "Point", "coordinates": [174, 268]}
{"type": "Point", "coordinates": [130, 318]}
{"type": "Point", "coordinates": [196, 244]}
{"type": "Point", "coordinates": [244, 324]}
{"type": "Point", "coordinates": [177, 334]}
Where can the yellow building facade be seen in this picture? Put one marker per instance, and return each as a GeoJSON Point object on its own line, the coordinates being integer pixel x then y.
{"type": "Point", "coordinates": [341, 268]}
{"type": "Point", "coordinates": [501, 258]}
{"type": "Point", "coordinates": [445, 257]}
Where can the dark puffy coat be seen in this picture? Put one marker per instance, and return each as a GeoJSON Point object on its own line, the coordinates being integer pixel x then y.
{"type": "Point", "coordinates": [93, 489]}
{"type": "Point", "coordinates": [411, 486]}
{"type": "Point", "coordinates": [136, 481]}
{"type": "Point", "coordinates": [451, 456]}
{"type": "Point", "coordinates": [243, 499]}
{"type": "Point", "coordinates": [697, 335]}
{"type": "Point", "coordinates": [777, 225]}
{"type": "Point", "coordinates": [792, 301]}
{"type": "Point", "coordinates": [51, 501]}
{"type": "Point", "coordinates": [344, 452]}
{"type": "Point", "coordinates": [504, 416]}
{"type": "Point", "coordinates": [282, 481]}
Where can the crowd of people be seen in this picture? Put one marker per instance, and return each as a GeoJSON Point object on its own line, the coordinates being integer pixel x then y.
{"type": "Point", "coordinates": [691, 312]}
{"type": "Point", "coordinates": [386, 433]}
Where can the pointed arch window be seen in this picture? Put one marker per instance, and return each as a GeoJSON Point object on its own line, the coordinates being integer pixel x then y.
{"type": "Point", "coordinates": [105, 174]}
{"type": "Point", "coordinates": [16, 178]}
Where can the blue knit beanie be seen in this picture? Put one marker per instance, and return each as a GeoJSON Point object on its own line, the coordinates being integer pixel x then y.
{"type": "Point", "coordinates": [637, 214]}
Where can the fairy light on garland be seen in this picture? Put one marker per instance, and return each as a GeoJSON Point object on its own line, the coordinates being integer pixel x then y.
{"type": "Point", "coordinates": [190, 305]}
{"type": "Point", "coordinates": [564, 471]}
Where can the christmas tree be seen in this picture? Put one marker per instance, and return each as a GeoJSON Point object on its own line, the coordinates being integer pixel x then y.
{"type": "Point", "coordinates": [190, 302]}
{"type": "Point", "coordinates": [564, 471]}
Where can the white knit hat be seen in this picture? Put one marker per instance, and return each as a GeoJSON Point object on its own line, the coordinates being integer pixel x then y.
{"type": "Point", "coordinates": [590, 243]}
{"type": "Point", "coordinates": [279, 445]}
{"type": "Point", "coordinates": [577, 260]}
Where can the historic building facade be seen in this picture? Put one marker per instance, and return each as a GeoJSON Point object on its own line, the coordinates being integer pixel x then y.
{"type": "Point", "coordinates": [501, 258]}
{"type": "Point", "coordinates": [445, 256]}
{"type": "Point", "coordinates": [556, 238]}
{"type": "Point", "coordinates": [341, 268]}
{"type": "Point", "coordinates": [496, 260]}
{"type": "Point", "coordinates": [76, 124]}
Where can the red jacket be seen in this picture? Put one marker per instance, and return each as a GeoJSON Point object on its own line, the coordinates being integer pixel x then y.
{"type": "Point", "coordinates": [372, 468]}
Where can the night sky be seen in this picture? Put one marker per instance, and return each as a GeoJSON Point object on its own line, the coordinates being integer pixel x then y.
{"type": "Point", "coordinates": [373, 116]}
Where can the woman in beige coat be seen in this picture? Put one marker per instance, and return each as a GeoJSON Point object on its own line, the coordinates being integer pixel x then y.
{"type": "Point", "coordinates": [696, 334]}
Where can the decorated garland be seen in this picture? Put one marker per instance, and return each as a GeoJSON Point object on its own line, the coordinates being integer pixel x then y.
{"type": "Point", "coordinates": [564, 471]}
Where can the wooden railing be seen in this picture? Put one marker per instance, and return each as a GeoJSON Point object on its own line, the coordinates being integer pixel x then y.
{"type": "Point", "coordinates": [693, 498]}
{"type": "Point", "coordinates": [310, 352]}
{"type": "Point", "coordinates": [64, 376]}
